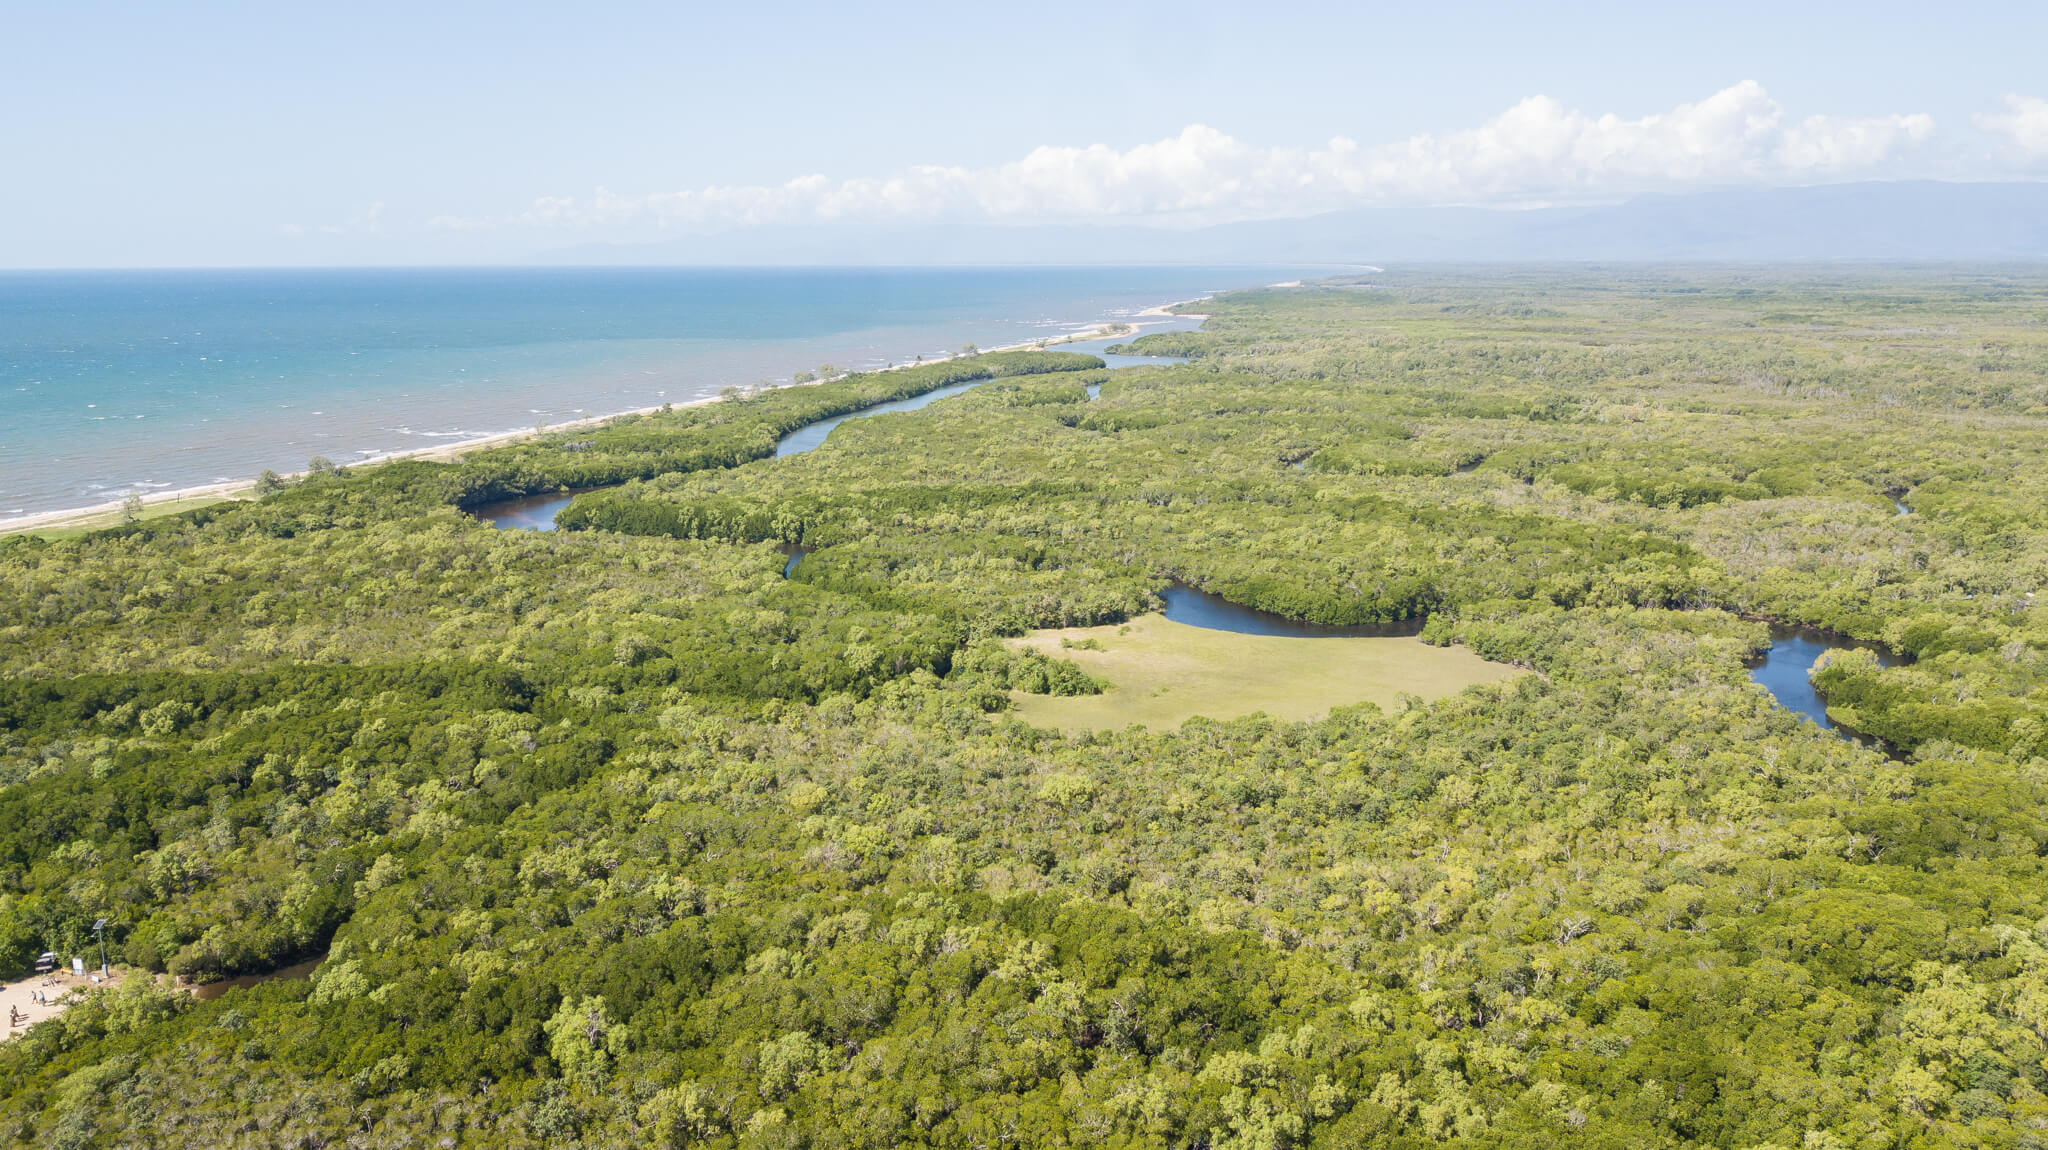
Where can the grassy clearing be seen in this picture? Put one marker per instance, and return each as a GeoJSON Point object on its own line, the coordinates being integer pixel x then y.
{"type": "Point", "coordinates": [1165, 673]}
{"type": "Point", "coordinates": [97, 519]}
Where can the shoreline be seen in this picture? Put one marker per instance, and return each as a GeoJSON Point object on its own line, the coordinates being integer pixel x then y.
{"type": "Point", "coordinates": [108, 514]}
{"type": "Point", "coordinates": [60, 990]}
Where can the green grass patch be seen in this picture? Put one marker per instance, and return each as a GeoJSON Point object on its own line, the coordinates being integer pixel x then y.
{"type": "Point", "coordinates": [1164, 673]}
{"type": "Point", "coordinates": [87, 522]}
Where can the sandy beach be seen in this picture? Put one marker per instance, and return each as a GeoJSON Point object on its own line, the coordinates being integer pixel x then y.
{"type": "Point", "coordinates": [186, 498]}
{"type": "Point", "coordinates": [18, 1000]}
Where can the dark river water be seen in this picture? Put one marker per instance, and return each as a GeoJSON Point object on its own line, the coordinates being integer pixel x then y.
{"type": "Point", "coordinates": [1185, 604]}
{"type": "Point", "coordinates": [1783, 670]}
{"type": "Point", "coordinates": [796, 553]}
{"type": "Point", "coordinates": [207, 992]}
{"type": "Point", "coordinates": [812, 436]}
{"type": "Point", "coordinates": [537, 512]}
{"type": "Point", "coordinates": [527, 513]}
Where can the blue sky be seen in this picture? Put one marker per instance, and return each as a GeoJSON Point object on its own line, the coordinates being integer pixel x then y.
{"type": "Point", "coordinates": [150, 135]}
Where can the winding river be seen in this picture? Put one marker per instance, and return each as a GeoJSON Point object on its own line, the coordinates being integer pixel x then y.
{"type": "Point", "coordinates": [796, 553]}
{"type": "Point", "coordinates": [1783, 671]}
{"type": "Point", "coordinates": [208, 991]}
{"type": "Point", "coordinates": [811, 437]}
{"type": "Point", "coordinates": [1185, 604]}
{"type": "Point", "coordinates": [526, 513]}
{"type": "Point", "coordinates": [537, 512]}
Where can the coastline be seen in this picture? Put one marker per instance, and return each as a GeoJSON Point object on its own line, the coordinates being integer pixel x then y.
{"type": "Point", "coordinates": [157, 503]}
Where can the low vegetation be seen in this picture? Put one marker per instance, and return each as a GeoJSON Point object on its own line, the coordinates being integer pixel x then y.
{"type": "Point", "coordinates": [1159, 674]}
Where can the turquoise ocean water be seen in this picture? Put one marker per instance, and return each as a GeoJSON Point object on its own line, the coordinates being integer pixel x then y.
{"type": "Point", "coordinates": [112, 382]}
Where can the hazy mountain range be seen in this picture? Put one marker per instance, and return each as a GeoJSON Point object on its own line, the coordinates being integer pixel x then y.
{"type": "Point", "coordinates": [1921, 220]}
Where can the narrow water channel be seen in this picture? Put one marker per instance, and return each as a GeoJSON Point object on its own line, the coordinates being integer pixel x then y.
{"type": "Point", "coordinates": [1783, 671]}
{"type": "Point", "coordinates": [1196, 608]}
{"type": "Point", "coordinates": [526, 513]}
{"type": "Point", "coordinates": [208, 991]}
{"type": "Point", "coordinates": [812, 436]}
{"type": "Point", "coordinates": [537, 512]}
{"type": "Point", "coordinates": [1095, 348]}
{"type": "Point", "coordinates": [796, 553]}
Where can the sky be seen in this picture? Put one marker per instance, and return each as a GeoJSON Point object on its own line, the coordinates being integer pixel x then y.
{"type": "Point", "coordinates": [210, 134]}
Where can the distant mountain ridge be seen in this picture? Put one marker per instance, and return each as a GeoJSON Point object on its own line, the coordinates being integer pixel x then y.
{"type": "Point", "coordinates": [1901, 221]}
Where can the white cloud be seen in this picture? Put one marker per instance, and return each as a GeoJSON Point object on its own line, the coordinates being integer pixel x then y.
{"type": "Point", "coordinates": [2024, 122]}
{"type": "Point", "coordinates": [1847, 144]}
{"type": "Point", "coordinates": [1538, 150]}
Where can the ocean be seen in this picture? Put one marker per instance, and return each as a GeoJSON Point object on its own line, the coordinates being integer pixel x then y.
{"type": "Point", "coordinates": [149, 381]}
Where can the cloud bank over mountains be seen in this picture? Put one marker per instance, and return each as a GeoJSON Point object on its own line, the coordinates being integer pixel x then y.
{"type": "Point", "coordinates": [2024, 123]}
{"type": "Point", "coordinates": [1534, 153]}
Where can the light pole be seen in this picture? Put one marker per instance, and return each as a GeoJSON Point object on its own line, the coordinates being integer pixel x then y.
{"type": "Point", "coordinates": [99, 932]}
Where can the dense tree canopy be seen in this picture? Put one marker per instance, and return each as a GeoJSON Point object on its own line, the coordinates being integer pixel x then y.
{"type": "Point", "coordinates": [615, 835]}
